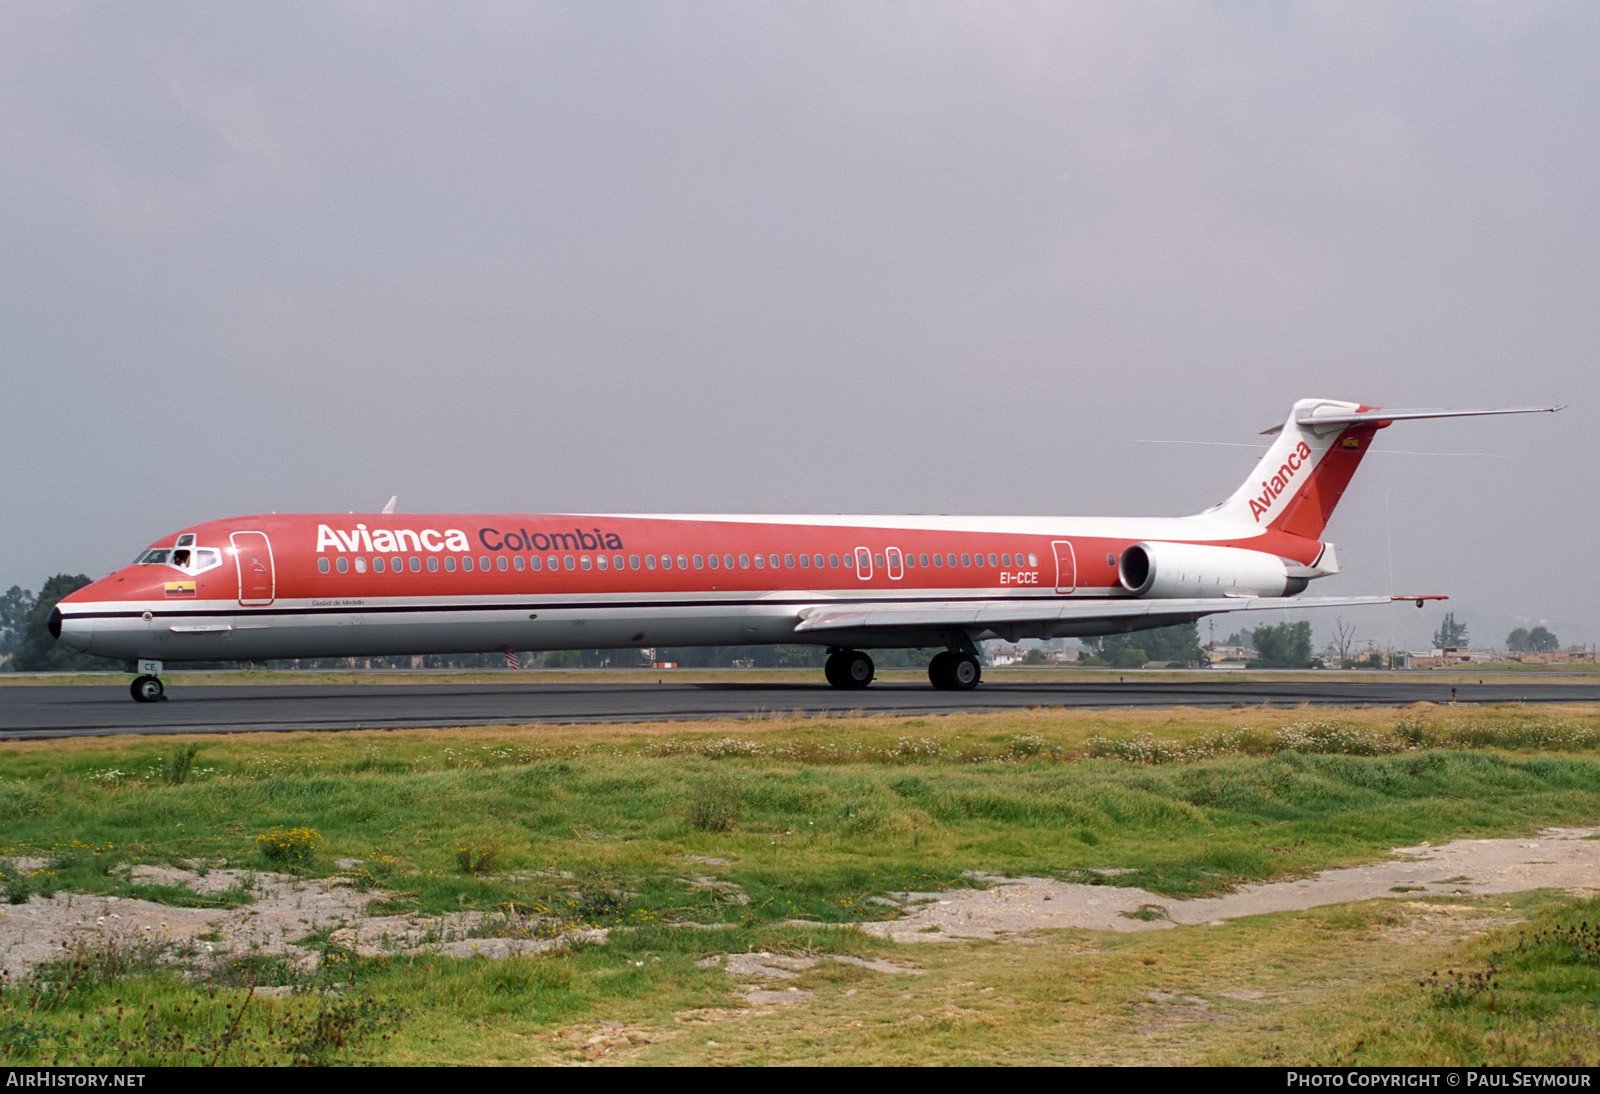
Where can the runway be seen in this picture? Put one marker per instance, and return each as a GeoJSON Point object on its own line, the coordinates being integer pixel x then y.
{"type": "Point", "coordinates": [32, 712]}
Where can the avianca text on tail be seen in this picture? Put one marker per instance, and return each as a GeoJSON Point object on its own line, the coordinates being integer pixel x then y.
{"type": "Point", "coordinates": [338, 585]}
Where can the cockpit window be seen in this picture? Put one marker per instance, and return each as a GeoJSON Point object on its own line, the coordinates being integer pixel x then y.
{"type": "Point", "coordinates": [190, 559]}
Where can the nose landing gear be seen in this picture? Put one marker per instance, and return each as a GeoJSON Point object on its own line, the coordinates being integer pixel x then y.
{"type": "Point", "coordinates": [146, 687]}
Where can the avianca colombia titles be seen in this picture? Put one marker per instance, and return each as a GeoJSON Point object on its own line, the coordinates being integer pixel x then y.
{"type": "Point", "coordinates": [339, 585]}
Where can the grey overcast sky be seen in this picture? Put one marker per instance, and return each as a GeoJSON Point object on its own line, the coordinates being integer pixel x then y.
{"type": "Point", "coordinates": [779, 257]}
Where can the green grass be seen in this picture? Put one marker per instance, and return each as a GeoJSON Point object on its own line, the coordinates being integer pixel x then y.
{"type": "Point", "coordinates": [814, 818]}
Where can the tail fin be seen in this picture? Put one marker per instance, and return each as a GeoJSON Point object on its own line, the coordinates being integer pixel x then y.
{"type": "Point", "coordinates": [1304, 474]}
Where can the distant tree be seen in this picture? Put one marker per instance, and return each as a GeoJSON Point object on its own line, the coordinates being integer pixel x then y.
{"type": "Point", "coordinates": [1343, 643]}
{"type": "Point", "coordinates": [1541, 640]}
{"type": "Point", "coordinates": [1517, 640]}
{"type": "Point", "coordinates": [1450, 633]}
{"type": "Point", "coordinates": [15, 607]}
{"type": "Point", "coordinates": [1282, 646]}
{"type": "Point", "coordinates": [38, 652]}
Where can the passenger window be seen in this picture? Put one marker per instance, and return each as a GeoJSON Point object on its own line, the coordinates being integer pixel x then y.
{"type": "Point", "coordinates": [569, 562]}
{"type": "Point", "coordinates": [772, 561]}
{"type": "Point", "coordinates": [377, 565]}
{"type": "Point", "coordinates": [361, 565]}
{"type": "Point", "coordinates": [433, 564]}
{"type": "Point", "coordinates": [584, 561]}
{"type": "Point", "coordinates": [805, 562]}
{"type": "Point", "coordinates": [1005, 559]}
{"type": "Point", "coordinates": [499, 563]}
{"type": "Point", "coordinates": [683, 562]}
{"type": "Point", "coordinates": [483, 562]}
{"type": "Point", "coordinates": [727, 562]}
{"type": "Point", "coordinates": [938, 559]}
{"type": "Point", "coordinates": [744, 561]}
{"type": "Point", "coordinates": [518, 562]}
{"type": "Point", "coordinates": [833, 560]}
{"type": "Point", "coordinates": [322, 564]}
{"type": "Point", "coordinates": [714, 562]}
{"type": "Point", "coordinates": [535, 562]}
{"type": "Point", "coordinates": [600, 561]}
{"type": "Point", "coordinates": [788, 562]}
{"type": "Point", "coordinates": [550, 562]}
{"type": "Point", "coordinates": [416, 564]}
{"type": "Point", "coordinates": [394, 563]}
{"type": "Point", "coordinates": [760, 563]}
{"type": "Point", "coordinates": [849, 561]}
{"type": "Point", "coordinates": [924, 561]}
{"type": "Point", "coordinates": [466, 564]}
{"type": "Point", "coordinates": [966, 559]}
{"type": "Point", "coordinates": [449, 564]}
{"type": "Point", "coordinates": [650, 562]}
{"type": "Point", "coordinates": [817, 561]}
{"type": "Point", "coordinates": [877, 560]}
{"type": "Point", "coordinates": [342, 565]}
{"type": "Point", "coordinates": [633, 562]}
{"type": "Point", "coordinates": [992, 560]}
{"type": "Point", "coordinates": [1033, 559]}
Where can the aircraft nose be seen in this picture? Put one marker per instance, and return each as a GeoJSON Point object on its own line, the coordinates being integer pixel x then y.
{"type": "Point", "coordinates": [71, 631]}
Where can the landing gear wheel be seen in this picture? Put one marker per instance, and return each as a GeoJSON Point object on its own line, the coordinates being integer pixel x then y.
{"type": "Point", "coordinates": [146, 689]}
{"type": "Point", "coordinates": [965, 672]}
{"type": "Point", "coordinates": [849, 669]}
{"type": "Point", "coordinates": [939, 670]}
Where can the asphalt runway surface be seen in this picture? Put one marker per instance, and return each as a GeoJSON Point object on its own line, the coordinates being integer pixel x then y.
{"type": "Point", "coordinates": [51, 711]}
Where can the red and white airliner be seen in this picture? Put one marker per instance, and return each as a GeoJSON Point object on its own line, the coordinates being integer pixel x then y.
{"type": "Point", "coordinates": [340, 585]}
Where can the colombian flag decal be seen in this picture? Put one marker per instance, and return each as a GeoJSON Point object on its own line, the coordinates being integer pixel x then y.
{"type": "Point", "coordinates": [1350, 442]}
{"type": "Point", "coordinates": [180, 588]}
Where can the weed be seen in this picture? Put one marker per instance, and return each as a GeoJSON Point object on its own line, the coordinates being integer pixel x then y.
{"type": "Point", "coordinates": [477, 858]}
{"type": "Point", "coordinates": [1458, 987]}
{"type": "Point", "coordinates": [714, 803]}
{"type": "Point", "coordinates": [289, 845]}
{"type": "Point", "coordinates": [175, 768]}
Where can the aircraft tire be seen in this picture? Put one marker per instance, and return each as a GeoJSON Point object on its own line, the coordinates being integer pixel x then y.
{"type": "Point", "coordinates": [965, 672]}
{"type": "Point", "coordinates": [146, 689]}
{"type": "Point", "coordinates": [833, 669]}
{"type": "Point", "coordinates": [858, 669]}
{"type": "Point", "coordinates": [939, 670]}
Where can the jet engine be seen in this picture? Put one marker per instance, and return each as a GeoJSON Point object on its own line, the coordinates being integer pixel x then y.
{"type": "Point", "coordinates": [1162, 570]}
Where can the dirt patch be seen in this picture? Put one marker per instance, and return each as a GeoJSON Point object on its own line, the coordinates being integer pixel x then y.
{"type": "Point", "coordinates": [1558, 858]}
{"type": "Point", "coordinates": [283, 912]}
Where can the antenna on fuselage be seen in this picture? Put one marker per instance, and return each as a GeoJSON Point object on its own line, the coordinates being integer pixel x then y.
{"type": "Point", "coordinates": [388, 509]}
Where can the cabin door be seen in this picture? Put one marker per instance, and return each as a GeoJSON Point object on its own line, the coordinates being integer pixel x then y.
{"type": "Point", "coordinates": [1066, 566]}
{"type": "Point", "coordinates": [252, 554]}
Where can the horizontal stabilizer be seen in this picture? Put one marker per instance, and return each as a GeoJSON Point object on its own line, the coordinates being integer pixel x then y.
{"type": "Point", "coordinates": [1315, 419]}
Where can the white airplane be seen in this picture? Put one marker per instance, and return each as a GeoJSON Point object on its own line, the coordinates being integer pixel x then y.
{"type": "Point", "coordinates": [335, 585]}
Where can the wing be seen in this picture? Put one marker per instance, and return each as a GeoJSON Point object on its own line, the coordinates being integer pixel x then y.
{"type": "Point", "coordinates": [1064, 617]}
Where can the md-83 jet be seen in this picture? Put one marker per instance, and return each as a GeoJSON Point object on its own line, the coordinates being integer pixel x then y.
{"type": "Point", "coordinates": [346, 585]}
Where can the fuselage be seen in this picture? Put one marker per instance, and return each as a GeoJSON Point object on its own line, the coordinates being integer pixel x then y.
{"type": "Point", "coordinates": [318, 585]}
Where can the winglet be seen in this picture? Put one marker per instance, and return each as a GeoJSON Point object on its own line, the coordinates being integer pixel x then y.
{"type": "Point", "coordinates": [389, 508]}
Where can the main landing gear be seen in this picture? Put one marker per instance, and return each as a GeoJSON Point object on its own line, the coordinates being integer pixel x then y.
{"type": "Point", "coordinates": [849, 669]}
{"type": "Point", "coordinates": [146, 687]}
{"type": "Point", "coordinates": [954, 671]}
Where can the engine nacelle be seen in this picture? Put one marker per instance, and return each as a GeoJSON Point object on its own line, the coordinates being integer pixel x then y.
{"type": "Point", "coordinates": [1161, 570]}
